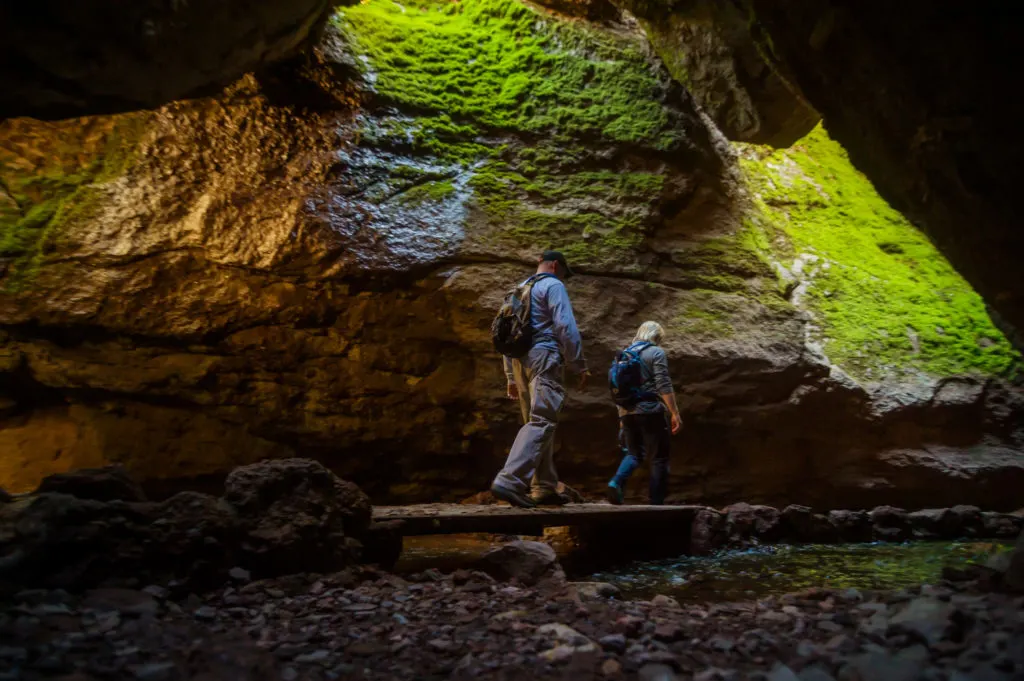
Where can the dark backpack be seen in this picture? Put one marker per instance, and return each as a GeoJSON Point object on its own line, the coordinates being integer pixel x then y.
{"type": "Point", "coordinates": [511, 330]}
{"type": "Point", "coordinates": [627, 376]}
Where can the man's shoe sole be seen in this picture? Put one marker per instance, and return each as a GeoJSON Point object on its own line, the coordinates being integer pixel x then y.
{"type": "Point", "coordinates": [614, 496]}
{"type": "Point", "coordinates": [514, 498]}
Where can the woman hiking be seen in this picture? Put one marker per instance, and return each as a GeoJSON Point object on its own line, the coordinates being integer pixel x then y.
{"type": "Point", "coordinates": [649, 419]}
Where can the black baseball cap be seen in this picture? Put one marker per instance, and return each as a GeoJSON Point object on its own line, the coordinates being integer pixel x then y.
{"type": "Point", "coordinates": [557, 256]}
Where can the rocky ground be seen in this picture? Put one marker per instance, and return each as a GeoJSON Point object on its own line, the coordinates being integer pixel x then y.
{"type": "Point", "coordinates": [362, 623]}
{"type": "Point", "coordinates": [122, 588]}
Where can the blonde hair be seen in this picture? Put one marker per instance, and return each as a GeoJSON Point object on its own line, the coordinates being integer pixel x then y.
{"type": "Point", "coordinates": [651, 332]}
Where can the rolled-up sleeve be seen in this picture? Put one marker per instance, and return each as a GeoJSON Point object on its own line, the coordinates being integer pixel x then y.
{"type": "Point", "coordinates": [661, 376]}
{"type": "Point", "coordinates": [565, 328]}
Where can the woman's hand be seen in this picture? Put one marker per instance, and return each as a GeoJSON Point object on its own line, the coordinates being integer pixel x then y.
{"type": "Point", "coordinates": [676, 423]}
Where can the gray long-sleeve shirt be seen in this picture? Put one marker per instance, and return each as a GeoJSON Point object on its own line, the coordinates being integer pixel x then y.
{"type": "Point", "coordinates": [554, 324]}
{"type": "Point", "coordinates": [658, 381]}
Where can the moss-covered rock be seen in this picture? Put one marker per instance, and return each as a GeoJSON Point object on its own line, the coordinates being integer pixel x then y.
{"type": "Point", "coordinates": [537, 111]}
{"type": "Point", "coordinates": [885, 300]}
{"type": "Point", "coordinates": [52, 189]}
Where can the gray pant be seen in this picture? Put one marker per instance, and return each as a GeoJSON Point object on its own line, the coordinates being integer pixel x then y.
{"type": "Point", "coordinates": [531, 462]}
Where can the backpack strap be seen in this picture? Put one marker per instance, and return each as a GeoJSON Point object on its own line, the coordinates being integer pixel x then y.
{"type": "Point", "coordinates": [637, 348]}
{"type": "Point", "coordinates": [527, 288]}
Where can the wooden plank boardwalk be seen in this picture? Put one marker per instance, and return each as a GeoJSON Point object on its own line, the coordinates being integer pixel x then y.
{"type": "Point", "coordinates": [425, 519]}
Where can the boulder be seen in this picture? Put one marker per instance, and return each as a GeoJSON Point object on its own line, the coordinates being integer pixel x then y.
{"type": "Point", "coordinates": [852, 526]}
{"type": "Point", "coordinates": [296, 523]}
{"type": "Point", "coordinates": [1001, 525]}
{"type": "Point", "coordinates": [296, 515]}
{"type": "Point", "coordinates": [528, 562]}
{"type": "Point", "coordinates": [707, 532]}
{"type": "Point", "coordinates": [969, 519]}
{"type": "Point", "coordinates": [109, 483]}
{"type": "Point", "coordinates": [745, 521]}
{"type": "Point", "coordinates": [889, 523]}
{"type": "Point", "coordinates": [932, 523]}
{"type": "Point", "coordinates": [800, 523]}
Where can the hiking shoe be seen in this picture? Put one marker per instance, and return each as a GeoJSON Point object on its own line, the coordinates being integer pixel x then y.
{"type": "Point", "coordinates": [552, 499]}
{"type": "Point", "coordinates": [614, 494]}
{"type": "Point", "coordinates": [512, 497]}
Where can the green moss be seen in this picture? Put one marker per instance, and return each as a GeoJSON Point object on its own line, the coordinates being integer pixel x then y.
{"type": "Point", "coordinates": [428, 192]}
{"type": "Point", "coordinates": [884, 297]}
{"type": "Point", "coordinates": [524, 102]}
{"type": "Point", "coordinates": [708, 314]}
{"type": "Point", "coordinates": [58, 192]}
{"type": "Point", "coordinates": [500, 65]}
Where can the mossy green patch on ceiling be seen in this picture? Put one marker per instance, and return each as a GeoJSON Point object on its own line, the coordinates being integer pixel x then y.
{"type": "Point", "coordinates": [884, 298]}
{"type": "Point", "coordinates": [526, 103]}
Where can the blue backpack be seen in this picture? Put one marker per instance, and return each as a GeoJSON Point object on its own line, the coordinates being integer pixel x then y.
{"type": "Point", "coordinates": [627, 376]}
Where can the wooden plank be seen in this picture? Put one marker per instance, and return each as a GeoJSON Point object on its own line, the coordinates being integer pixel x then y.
{"type": "Point", "coordinates": [427, 519]}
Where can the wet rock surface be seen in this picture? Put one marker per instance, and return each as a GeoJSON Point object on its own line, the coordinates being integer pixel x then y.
{"type": "Point", "coordinates": [465, 625]}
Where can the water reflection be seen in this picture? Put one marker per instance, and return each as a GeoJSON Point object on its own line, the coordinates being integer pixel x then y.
{"type": "Point", "coordinates": [735, 575]}
{"type": "Point", "coordinates": [783, 569]}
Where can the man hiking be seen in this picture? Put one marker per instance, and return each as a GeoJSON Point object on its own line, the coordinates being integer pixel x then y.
{"type": "Point", "coordinates": [648, 414]}
{"type": "Point", "coordinates": [537, 380]}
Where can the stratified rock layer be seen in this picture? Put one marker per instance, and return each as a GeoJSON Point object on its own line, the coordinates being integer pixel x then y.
{"type": "Point", "coordinates": [309, 263]}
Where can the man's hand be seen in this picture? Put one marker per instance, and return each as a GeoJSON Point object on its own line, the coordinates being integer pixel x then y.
{"type": "Point", "coordinates": [584, 377]}
{"type": "Point", "coordinates": [513, 390]}
{"type": "Point", "coordinates": [676, 423]}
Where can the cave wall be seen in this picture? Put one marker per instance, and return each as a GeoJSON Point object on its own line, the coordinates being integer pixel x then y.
{"type": "Point", "coordinates": [61, 58]}
{"type": "Point", "coordinates": [308, 263]}
{"type": "Point", "coordinates": [707, 46]}
{"type": "Point", "coordinates": [917, 93]}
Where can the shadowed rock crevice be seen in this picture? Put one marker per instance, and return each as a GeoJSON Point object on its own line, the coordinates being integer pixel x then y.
{"type": "Point", "coordinates": [67, 58]}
